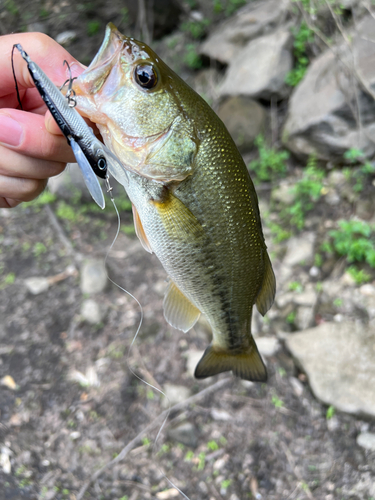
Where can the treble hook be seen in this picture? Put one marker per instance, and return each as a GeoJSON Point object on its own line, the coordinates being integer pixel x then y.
{"type": "Point", "coordinates": [70, 94]}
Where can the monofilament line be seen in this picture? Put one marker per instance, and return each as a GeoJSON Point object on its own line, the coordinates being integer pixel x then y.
{"type": "Point", "coordinates": [167, 412]}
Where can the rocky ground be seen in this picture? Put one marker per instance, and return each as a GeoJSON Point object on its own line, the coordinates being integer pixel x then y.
{"type": "Point", "coordinates": [74, 393]}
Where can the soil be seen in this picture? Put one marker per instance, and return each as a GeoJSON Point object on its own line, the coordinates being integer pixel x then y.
{"type": "Point", "coordinates": [273, 441]}
{"type": "Point", "coordinates": [266, 441]}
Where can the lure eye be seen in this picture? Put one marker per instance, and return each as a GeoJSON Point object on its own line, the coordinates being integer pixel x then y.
{"type": "Point", "coordinates": [102, 164]}
{"type": "Point", "coordinates": [146, 76]}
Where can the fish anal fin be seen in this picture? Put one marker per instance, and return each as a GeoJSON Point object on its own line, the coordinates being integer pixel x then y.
{"type": "Point", "coordinates": [246, 363]}
{"type": "Point", "coordinates": [178, 310]}
{"type": "Point", "coordinates": [177, 219]}
{"type": "Point", "coordinates": [267, 291]}
{"type": "Point", "coordinates": [139, 231]}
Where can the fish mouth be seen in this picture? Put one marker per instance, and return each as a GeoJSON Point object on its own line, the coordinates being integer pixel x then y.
{"type": "Point", "coordinates": [112, 44]}
{"type": "Point", "coordinates": [115, 42]}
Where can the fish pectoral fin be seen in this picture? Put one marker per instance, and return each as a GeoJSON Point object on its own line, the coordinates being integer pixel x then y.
{"type": "Point", "coordinates": [139, 231]}
{"type": "Point", "coordinates": [246, 364]}
{"type": "Point", "coordinates": [177, 219]}
{"type": "Point", "coordinates": [178, 310]}
{"type": "Point", "coordinates": [267, 291]}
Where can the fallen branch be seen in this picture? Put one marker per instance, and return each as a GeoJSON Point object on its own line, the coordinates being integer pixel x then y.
{"type": "Point", "coordinates": [179, 406]}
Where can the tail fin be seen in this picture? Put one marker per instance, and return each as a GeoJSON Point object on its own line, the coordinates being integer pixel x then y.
{"type": "Point", "coordinates": [246, 363]}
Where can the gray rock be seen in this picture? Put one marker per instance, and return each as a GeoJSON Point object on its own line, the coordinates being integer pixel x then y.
{"type": "Point", "coordinates": [320, 118]}
{"type": "Point", "coordinates": [93, 277]}
{"type": "Point", "coordinates": [268, 346]}
{"type": "Point", "coordinates": [260, 68]}
{"type": "Point", "coordinates": [175, 394]}
{"type": "Point", "coordinates": [92, 312]}
{"type": "Point", "coordinates": [367, 290]}
{"type": "Point", "coordinates": [365, 208]}
{"type": "Point", "coordinates": [366, 440]}
{"type": "Point", "coordinates": [66, 37]}
{"type": "Point", "coordinates": [304, 317]}
{"type": "Point", "coordinates": [252, 21]}
{"type": "Point", "coordinates": [300, 250]}
{"type": "Point", "coordinates": [220, 415]}
{"type": "Point", "coordinates": [339, 362]}
{"type": "Point", "coordinates": [192, 359]}
{"type": "Point", "coordinates": [283, 193]}
{"type": "Point", "coordinates": [305, 298]}
{"type": "Point", "coordinates": [37, 285]}
{"type": "Point", "coordinates": [185, 433]}
{"type": "Point", "coordinates": [244, 119]}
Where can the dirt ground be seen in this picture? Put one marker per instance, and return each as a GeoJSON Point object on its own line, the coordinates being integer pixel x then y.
{"type": "Point", "coordinates": [252, 440]}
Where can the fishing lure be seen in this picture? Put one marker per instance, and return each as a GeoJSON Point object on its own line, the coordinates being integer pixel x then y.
{"type": "Point", "coordinates": [92, 156]}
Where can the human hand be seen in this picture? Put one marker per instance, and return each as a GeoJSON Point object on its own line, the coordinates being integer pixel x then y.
{"type": "Point", "coordinates": [32, 147]}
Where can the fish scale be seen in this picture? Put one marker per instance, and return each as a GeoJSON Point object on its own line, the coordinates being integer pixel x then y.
{"type": "Point", "coordinates": [194, 203]}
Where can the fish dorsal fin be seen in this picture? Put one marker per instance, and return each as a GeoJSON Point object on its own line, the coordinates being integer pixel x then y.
{"type": "Point", "coordinates": [178, 310]}
{"type": "Point", "coordinates": [177, 219]}
{"type": "Point", "coordinates": [246, 363]}
{"type": "Point", "coordinates": [139, 231]}
{"type": "Point", "coordinates": [267, 291]}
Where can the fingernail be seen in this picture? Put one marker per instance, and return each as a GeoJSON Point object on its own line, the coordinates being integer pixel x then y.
{"type": "Point", "coordinates": [10, 131]}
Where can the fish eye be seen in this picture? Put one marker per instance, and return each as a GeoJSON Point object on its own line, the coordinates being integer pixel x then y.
{"type": "Point", "coordinates": [102, 164]}
{"type": "Point", "coordinates": [146, 76]}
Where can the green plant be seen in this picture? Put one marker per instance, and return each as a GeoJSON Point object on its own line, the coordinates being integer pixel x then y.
{"type": "Point", "coordinates": [222, 440]}
{"type": "Point", "coordinates": [192, 59]}
{"type": "Point", "coordinates": [358, 275]}
{"type": "Point", "coordinates": [277, 402]}
{"type": "Point", "coordinates": [330, 412]}
{"type": "Point", "coordinates": [189, 456]}
{"type": "Point", "coordinates": [212, 445]}
{"type": "Point", "coordinates": [359, 175]}
{"type": "Point", "coordinates": [279, 233]}
{"type": "Point", "coordinates": [295, 286]}
{"type": "Point", "coordinates": [234, 5]}
{"type": "Point", "coordinates": [307, 192]}
{"type": "Point", "coordinates": [291, 317]}
{"type": "Point", "coordinates": [271, 163]}
{"type": "Point", "coordinates": [218, 6]}
{"type": "Point", "coordinates": [150, 394]}
{"type": "Point", "coordinates": [67, 212]}
{"type": "Point", "coordinates": [39, 249]}
{"type": "Point", "coordinates": [355, 240]}
{"type": "Point", "coordinates": [93, 27]}
{"type": "Point", "coordinates": [302, 38]}
{"type": "Point", "coordinates": [44, 199]}
{"type": "Point", "coordinates": [9, 279]}
{"type": "Point", "coordinates": [11, 7]}
{"type": "Point", "coordinates": [201, 460]}
{"type": "Point", "coordinates": [146, 441]}
{"type": "Point", "coordinates": [196, 28]}
{"type": "Point", "coordinates": [128, 229]}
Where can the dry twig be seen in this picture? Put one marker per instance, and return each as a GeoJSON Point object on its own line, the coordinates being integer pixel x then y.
{"type": "Point", "coordinates": [179, 406]}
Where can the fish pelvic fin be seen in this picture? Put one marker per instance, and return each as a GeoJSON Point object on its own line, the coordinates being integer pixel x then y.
{"type": "Point", "coordinates": [267, 291]}
{"type": "Point", "coordinates": [246, 364]}
{"type": "Point", "coordinates": [139, 231]}
{"type": "Point", "coordinates": [178, 310]}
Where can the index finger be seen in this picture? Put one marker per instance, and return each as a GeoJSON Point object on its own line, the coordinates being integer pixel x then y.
{"type": "Point", "coordinates": [44, 51]}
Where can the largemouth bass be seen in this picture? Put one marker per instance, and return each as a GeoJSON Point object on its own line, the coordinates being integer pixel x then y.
{"type": "Point", "coordinates": [194, 203]}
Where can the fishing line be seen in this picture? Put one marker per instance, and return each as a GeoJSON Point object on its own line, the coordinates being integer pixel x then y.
{"type": "Point", "coordinates": [15, 79]}
{"type": "Point", "coordinates": [153, 454]}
